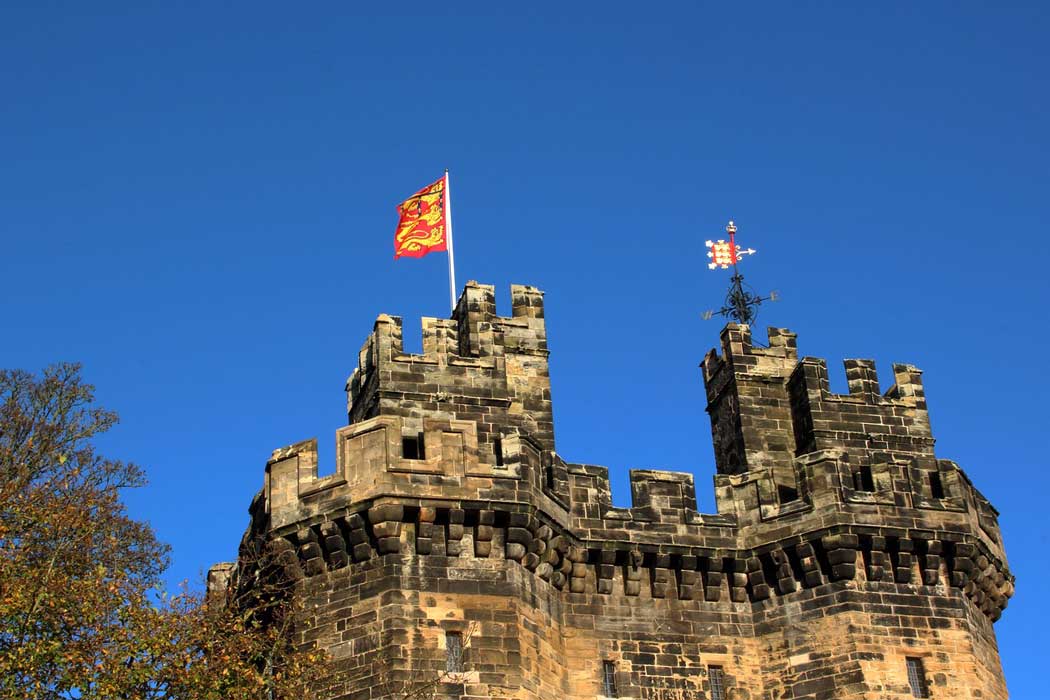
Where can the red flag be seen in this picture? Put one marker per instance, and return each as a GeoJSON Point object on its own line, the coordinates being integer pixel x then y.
{"type": "Point", "coordinates": [422, 226]}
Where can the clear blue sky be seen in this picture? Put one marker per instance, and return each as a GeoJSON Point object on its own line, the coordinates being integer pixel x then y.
{"type": "Point", "coordinates": [198, 204]}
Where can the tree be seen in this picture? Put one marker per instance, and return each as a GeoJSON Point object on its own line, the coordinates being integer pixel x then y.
{"type": "Point", "coordinates": [81, 615]}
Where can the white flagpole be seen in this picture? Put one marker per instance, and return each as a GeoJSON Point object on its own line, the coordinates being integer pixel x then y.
{"type": "Point", "coordinates": [448, 238]}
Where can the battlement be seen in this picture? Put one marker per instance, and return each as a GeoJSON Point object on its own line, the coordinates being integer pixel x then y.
{"type": "Point", "coordinates": [757, 547]}
{"type": "Point", "coordinates": [371, 464]}
{"type": "Point", "coordinates": [475, 366]}
{"type": "Point", "coordinates": [449, 503]}
{"type": "Point", "coordinates": [473, 331]}
{"type": "Point", "coordinates": [768, 407]}
{"type": "Point", "coordinates": [462, 434]}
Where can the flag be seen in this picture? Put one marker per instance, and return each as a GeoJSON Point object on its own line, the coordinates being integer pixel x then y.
{"type": "Point", "coordinates": [422, 227]}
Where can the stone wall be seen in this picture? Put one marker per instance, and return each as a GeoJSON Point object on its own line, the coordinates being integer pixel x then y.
{"type": "Point", "coordinates": [842, 546]}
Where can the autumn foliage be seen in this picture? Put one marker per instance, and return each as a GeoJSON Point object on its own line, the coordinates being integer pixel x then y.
{"type": "Point", "coordinates": [81, 612]}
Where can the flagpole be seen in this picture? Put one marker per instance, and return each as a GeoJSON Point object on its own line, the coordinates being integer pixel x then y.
{"type": "Point", "coordinates": [448, 235]}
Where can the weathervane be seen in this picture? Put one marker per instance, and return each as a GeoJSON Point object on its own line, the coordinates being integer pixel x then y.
{"type": "Point", "coordinates": [741, 304]}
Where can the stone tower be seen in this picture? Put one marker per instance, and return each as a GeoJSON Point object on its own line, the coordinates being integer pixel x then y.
{"type": "Point", "coordinates": [454, 553]}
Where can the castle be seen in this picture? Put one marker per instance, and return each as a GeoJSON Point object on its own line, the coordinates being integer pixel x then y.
{"type": "Point", "coordinates": [454, 553]}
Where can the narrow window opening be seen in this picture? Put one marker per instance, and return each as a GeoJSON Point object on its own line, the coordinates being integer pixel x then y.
{"type": "Point", "coordinates": [497, 448]}
{"type": "Point", "coordinates": [863, 480]}
{"type": "Point", "coordinates": [549, 471]}
{"type": "Point", "coordinates": [717, 679]}
{"type": "Point", "coordinates": [917, 678]}
{"type": "Point", "coordinates": [936, 487]}
{"type": "Point", "coordinates": [453, 652]}
{"type": "Point", "coordinates": [412, 447]}
{"type": "Point", "coordinates": [609, 679]}
{"type": "Point", "coordinates": [734, 462]}
{"type": "Point", "coordinates": [786, 494]}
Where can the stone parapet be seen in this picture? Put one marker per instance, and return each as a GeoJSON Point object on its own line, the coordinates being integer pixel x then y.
{"type": "Point", "coordinates": [447, 486]}
{"type": "Point", "coordinates": [475, 366]}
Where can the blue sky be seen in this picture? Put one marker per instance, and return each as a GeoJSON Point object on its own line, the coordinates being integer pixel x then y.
{"type": "Point", "coordinates": [198, 204]}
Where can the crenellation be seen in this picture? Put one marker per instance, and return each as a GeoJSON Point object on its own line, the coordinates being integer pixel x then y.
{"type": "Point", "coordinates": [663, 509]}
{"type": "Point", "coordinates": [862, 379]}
{"type": "Point", "coordinates": [474, 313]}
{"type": "Point", "coordinates": [841, 544]}
{"type": "Point", "coordinates": [661, 496]}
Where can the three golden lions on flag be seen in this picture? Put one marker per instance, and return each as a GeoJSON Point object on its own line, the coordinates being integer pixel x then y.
{"type": "Point", "coordinates": [421, 228]}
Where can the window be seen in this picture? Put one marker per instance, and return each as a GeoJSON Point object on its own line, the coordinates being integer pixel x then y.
{"type": "Point", "coordinates": [863, 481]}
{"type": "Point", "coordinates": [609, 679]}
{"type": "Point", "coordinates": [412, 447]}
{"type": "Point", "coordinates": [717, 678]}
{"type": "Point", "coordinates": [497, 448]}
{"type": "Point", "coordinates": [917, 678]}
{"type": "Point", "coordinates": [453, 652]}
{"type": "Point", "coordinates": [936, 487]}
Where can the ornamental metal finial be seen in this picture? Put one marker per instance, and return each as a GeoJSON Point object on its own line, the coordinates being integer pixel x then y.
{"type": "Point", "coordinates": [741, 304]}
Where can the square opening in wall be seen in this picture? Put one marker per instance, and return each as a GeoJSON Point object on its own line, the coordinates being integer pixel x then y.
{"type": "Point", "coordinates": [863, 480]}
{"type": "Point", "coordinates": [412, 447]}
{"type": "Point", "coordinates": [936, 485]}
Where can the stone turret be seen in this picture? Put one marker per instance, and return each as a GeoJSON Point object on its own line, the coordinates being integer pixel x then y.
{"type": "Point", "coordinates": [844, 555]}
{"type": "Point", "coordinates": [475, 366]}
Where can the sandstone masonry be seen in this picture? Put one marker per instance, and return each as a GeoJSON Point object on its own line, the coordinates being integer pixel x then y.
{"type": "Point", "coordinates": [454, 553]}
